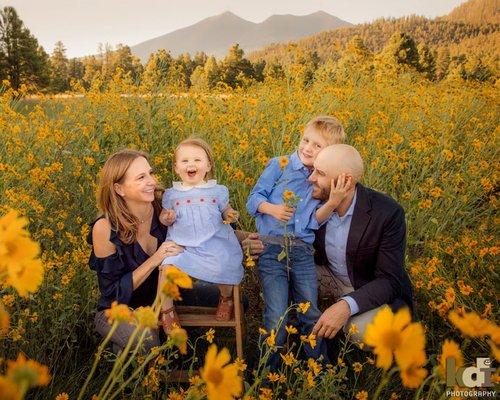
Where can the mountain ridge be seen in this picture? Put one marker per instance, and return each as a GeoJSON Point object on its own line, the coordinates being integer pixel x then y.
{"type": "Point", "coordinates": [215, 34]}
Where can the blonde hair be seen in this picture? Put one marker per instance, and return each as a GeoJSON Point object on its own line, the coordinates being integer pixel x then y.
{"type": "Point", "coordinates": [112, 205]}
{"type": "Point", "coordinates": [194, 141]}
{"type": "Point", "coordinates": [329, 128]}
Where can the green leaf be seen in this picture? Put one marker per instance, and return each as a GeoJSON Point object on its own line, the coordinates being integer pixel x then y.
{"type": "Point", "coordinates": [282, 255]}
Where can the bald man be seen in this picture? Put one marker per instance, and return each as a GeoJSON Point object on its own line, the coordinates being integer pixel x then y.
{"type": "Point", "coordinates": [360, 250]}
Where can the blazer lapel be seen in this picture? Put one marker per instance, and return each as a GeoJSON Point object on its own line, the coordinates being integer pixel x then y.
{"type": "Point", "coordinates": [360, 219]}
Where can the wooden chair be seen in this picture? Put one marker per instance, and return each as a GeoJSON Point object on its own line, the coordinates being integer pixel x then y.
{"type": "Point", "coordinates": [197, 316]}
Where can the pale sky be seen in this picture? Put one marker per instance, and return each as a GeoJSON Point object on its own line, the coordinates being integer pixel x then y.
{"type": "Point", "coordinates": [82, 24]}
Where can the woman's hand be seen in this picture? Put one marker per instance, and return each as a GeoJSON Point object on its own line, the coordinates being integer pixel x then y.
{"type": "Point", "coordinates": [166, 249]}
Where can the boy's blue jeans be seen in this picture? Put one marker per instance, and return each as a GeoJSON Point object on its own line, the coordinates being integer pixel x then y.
{"type": "Point", "coordinates": [303, 286]}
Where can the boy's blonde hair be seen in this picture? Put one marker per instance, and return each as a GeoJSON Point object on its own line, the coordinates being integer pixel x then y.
{"type": "Point", "coordinates": [328, 127]}
{"type": "Point", "coordinates": [196, 141]}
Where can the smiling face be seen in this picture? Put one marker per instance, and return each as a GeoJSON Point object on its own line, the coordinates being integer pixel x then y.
{"type": "Point", "coordinates": [191, 164]}
{"type": "Point", "coordinates": [138, 184]}
{"type": "Point", "coordinates": [321, 178]}
{"type": "Point", "coordinates": [310, 145]}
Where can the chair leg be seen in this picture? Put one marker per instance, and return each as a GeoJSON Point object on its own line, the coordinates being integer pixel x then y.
{"type": "Point", "coordinates": [238, 322]}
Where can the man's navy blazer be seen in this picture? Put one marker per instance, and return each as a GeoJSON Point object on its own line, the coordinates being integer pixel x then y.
{"type": "Point", "coordinates": [375, 252]}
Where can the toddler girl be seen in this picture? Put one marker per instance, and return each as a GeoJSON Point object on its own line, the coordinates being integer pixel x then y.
{"type": "Point", "coordinates": [195, 209]}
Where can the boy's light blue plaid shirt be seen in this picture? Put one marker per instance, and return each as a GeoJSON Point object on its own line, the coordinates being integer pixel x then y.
{"type": "Point", "coordinates": [270, 187]}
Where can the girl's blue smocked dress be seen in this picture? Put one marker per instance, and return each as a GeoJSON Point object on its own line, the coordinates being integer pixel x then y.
{"type": "Point", "coordinates": [212, 252]}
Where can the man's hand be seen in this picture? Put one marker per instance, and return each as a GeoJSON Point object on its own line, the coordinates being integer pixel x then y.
{"type": "Point", "coordinates": [332, 320]}
{"type": "Point", "coordinates": [167, 217]}
{"type": "Point", "coordinates": [253, 245]}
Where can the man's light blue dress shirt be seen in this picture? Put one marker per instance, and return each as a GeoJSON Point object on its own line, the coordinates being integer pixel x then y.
{"type": "Point", "coordinates": [337, 232]}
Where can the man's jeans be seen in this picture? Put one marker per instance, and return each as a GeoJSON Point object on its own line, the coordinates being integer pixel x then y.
{"type": "Point", "coordinates": [303, 286]}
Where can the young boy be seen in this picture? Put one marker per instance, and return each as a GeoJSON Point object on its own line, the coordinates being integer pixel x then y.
{"type": "Point", "coordinates": [282, 224]}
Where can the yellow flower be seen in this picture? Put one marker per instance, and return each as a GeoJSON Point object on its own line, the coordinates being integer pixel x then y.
{"type": "Point", "coordinates": [450, 350]}
{"type": "Point", "coordinates": [240, 364]}
{"type": "Point", "coordinates": [292, 330]}
{"type": "Point", "coordinates": [249, 261]}
{"type": "Point", "coordinates": [283, 162]}
{"type": "Point", "coordinates": [314, 366]}
{"type": "Point", "coordinates": [146, 317]}
{"type": "Point", "coordinates": [266, 394]}
{"type": "Point", "coordinates": [18, 255]}
{"type": "Point", "coordinates": [179, 338]}
{"type": "Point", "coordinates": [119, 313]}
{"type": "Point", "coordinates": [262, 331]}
{"type": "Point", "coordinates": [288, 195]}
{"type": "Point", "coordinates": [353, 329]}
{"type": "Point", "coordinates": [27, 373]}
{"type": "Point", "coordinates": [412, 374]}
{"type": "Point", "coordinates": [470, 324]}
{"type": "Point", "coordinates": [273, 376]}
{"type": "Point", "coordinates": [8, 300]}
{"type": "Point", "coordinates": [392, 335]}
{"type": "Point", "coordinates": [357, 366]}
{"type": "Point", "coordinates": [271, 339]}
{"type": "Point", "coordinates": [62, 396]}
{"type": "Point", "coordinates": [209, 335]}
{"type": "Point", "coordinates": [171, 290]}
{"type": "Point", "coordinates": [311, 339]}
{"type": "Point", "coordinates": [223, 381]}
{"type": "Point", "coordinates": [8, 389]}
{"type": "Point", "coordinates": [362, 395]}
{"type": "Point", "coordinates": [303, 307]}
{"type": "Point", "coordinates": [288, 358]}
{"type": "Point", "coordinates": [180, 278]}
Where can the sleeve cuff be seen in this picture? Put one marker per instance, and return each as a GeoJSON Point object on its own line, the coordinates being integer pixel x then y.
{"type": "Point", "coordinates": [253, 205]}
{"type": "Point", "coordinates": [352, 304]}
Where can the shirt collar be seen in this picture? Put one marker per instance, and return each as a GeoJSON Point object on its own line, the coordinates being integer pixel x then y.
{"type": "Point", "coordinates": [208, 184]}
{"type": "Point", "coordinates": [350, 210]}
{"type": "Point", "coordinates": [295, 161]}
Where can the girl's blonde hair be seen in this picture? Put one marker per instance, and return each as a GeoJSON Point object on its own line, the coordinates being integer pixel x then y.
{"type": "Point", "coordinates": [112, 205]}
{"type": "Point", "coordinates": [194, 141]}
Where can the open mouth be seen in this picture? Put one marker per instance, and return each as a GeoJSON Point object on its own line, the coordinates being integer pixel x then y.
{"type": "Point", "coordinates": [191, 174]}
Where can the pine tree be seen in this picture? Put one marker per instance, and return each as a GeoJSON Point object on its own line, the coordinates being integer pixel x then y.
{"type": "Point", "coordinates": [236, 69]}
{"type": "Point", "coordinates": [59, 77]}
{"type": "Point", "coordinates": [426, 62]}
{"type": "Point", "coordinates": [22, 60]}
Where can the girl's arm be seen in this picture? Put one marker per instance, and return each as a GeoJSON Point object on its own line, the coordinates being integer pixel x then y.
{"type": "Point", "coordinates": [230, 215]}
{"type": "Point", "coordinates": [167, 216]}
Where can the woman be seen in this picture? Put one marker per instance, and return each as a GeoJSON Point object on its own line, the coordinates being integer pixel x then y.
{"type": "Point", "coordinates": [128, 244]}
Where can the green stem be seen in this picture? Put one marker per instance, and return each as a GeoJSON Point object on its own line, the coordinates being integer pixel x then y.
{"type": "Point", "coordinates": [97, 359]}
{"type": "Point", "coordinates": [385, 379]}
{"type": "Point", "coordinates": [421, 387]}
{"type": "Point", "coordinates": [123, 368]}
{"type": "Point", "coordinates": [118, 362]}
{"type": "Point", "coordinates": [134, 375]}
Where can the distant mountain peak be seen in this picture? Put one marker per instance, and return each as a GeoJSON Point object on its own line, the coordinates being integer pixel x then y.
{"type": "Point", "coordinates": [214, 35]}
